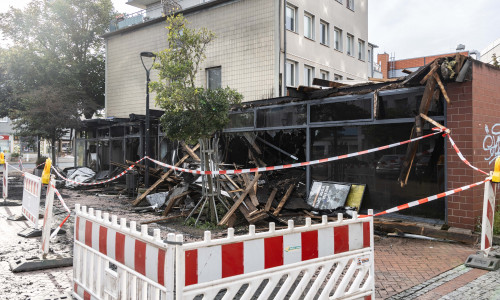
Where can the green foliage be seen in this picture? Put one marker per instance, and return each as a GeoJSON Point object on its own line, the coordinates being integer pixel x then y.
{"type": "Point", "coordinates": [191, 112]}
{"type": "Point", "coordinates": [494, 59]}
{"type": "Point", "coordinates": [496, 225]}
{"type": "Point", "coordinates": [56, 55]}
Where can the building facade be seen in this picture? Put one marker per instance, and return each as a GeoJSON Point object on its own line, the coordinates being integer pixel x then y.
{"type": "Point", "coordinates": [488, 52]}
{"type": "Point", "coordinates": [262, 47]}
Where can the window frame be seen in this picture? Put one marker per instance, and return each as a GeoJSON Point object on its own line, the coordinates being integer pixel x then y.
{"type": "Point", "coordinates": [324, 72]}
{"type": "Point", "coordinates": [293, 79]}
{"type": "Point", "coordinates": [361, 50]}
{"type": "Point", "coordinates": [350, 45]}
{"type": "Point", "coordinates": [326, 31]}
{"type": "Point", "coordinates": [294, 20]}
{"type": "Point", "coordinates": [308, 75]}
{"type": "Point", "coordinates": [310, 17]}
{"type": "Point", "coordinates": [337, 40]}
{"type": "Point", "coordinates": [350, 4]}
{"type": "Point", "coordinates": [338, 77]}
{"type": "Point", "coordinates": [207, 74]}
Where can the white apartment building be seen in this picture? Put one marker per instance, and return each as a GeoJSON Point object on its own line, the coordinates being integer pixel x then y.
{"type": "Point", "coordinates": [262, 47]}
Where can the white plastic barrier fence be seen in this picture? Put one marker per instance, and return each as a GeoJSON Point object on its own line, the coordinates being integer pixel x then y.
{"type": "Point", "coordinates": [32, 190]}
{"type": "Point", "coordinates": [5, 181]}
{"type": "Point", "coordinates": [113, 261]}
{"type": "Point", "coordinates": [488, 217]}
{"type": "Point", "coordinates": [47, 217]}
{"type": "Point", "coordinates": [331, 260]}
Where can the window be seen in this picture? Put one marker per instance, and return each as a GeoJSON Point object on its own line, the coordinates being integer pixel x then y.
{"type": "Point", "coordinates": [369, 55]}
{"type": "Point", "coordinates": [325, 75]}
{"type": "Point", "coordinates": [349, 78]}
{"type": "Point", "coordinates": [214, 78]}
{"type": "Point", "coordinates": [361, 50]}
{"type": "Point", "coordinates": [308, 75]}
{"type": "Point", "coordinates": [350, 4]}
{"type": "Point", "coordinates": [291, 20]}
{"type": "Point", "coordinates": [308, 26]}
{"type": "Point", "coordinates": [291, 73]}
{"type": "Point", "coordinates": [324, 33]}
{"type": "Point", "coordinates": [350, 45]}
{"type": "Point", "coordinates": [338, 77]}
{"type": "Point", "coordinates": [338, 39]}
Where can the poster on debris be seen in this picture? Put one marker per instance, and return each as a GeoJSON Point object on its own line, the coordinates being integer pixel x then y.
{"type": "Point", "coordinates": [328, 195]}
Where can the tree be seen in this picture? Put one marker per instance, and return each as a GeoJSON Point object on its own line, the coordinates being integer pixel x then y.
{"type": "Point", "coordinates": [495, 60]}
{"type": "Point", "coordinates": [57, 57]}
{"type": "Point", "coordinates": [177, 93]}
{"type": "Point", "coordinates": [191, 112]}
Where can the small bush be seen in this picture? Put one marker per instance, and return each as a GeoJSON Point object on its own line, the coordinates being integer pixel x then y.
{"type": "Point", "coordinates": [15, 155]}
{"type": "Point", "coordinates": [496, 224]}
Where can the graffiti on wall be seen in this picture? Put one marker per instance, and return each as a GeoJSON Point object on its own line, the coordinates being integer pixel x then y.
{"type": "Point", "coordinates": [491, 142]}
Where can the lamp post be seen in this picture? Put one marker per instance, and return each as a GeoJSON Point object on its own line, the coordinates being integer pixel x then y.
{"type": "Point", "coordinates": [146, 141]}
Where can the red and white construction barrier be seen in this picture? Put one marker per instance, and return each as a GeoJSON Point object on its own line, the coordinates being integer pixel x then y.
{"type": "Point", "coordinates": [5, 182]}
{"type": "Point", "coordinates": [32, 189]}
{"type": "Point", "coordinates": [145, 264]}
{"type": "Point", "coordinates": [54, 233]}
{"type": "Point", "coordinates": [338, 250]}
{"type": "Point", "coordinates": [331, 258]}
{"type": "Point", "coordinates": [488, 217]}
{"type": "Point", "coordinates": [47, 217]}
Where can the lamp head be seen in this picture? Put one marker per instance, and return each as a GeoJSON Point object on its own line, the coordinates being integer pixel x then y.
{"type": "Point", "coordinates": [148, 54]}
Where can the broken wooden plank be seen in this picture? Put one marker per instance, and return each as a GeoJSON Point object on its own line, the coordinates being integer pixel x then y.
{"type": "Point", "coordinates": [239, 201]}
{"type": "Point", "coordinates": [270, 199]}
{"type": "Point", "coordinates": [251, 140]}
{"type": "Point", "coordinates": [243, 208]}
{"type": "Point", "coordinates": [386, 226]}
{"type": "Point", "coordinates": [190, 151]}
{"type": "Point", "coordinates": [433, 70]}
{"type": "Point", "coordinates": [425, 117]}
{"type": "Point", "coordinates": [441, 86]}
{"type": "Point", "coordinates": [172, 201]}
{"type": "Point", "coordinates": [163, 219]}
{"type": "Point", "coordinates": [163, 177]}
{"type": "Point", "coordinates": [283, 200]}
{"type": "Point", "coordinates": [252, 194]}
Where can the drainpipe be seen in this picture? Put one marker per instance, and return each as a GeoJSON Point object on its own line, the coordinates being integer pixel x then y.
{"type": "Point", "coordinates": [284, 47]}
{"type": "Point", "coordinates": [475, 52]}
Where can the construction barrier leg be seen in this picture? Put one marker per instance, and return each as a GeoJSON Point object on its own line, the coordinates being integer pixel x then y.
{"type": "Point", "coordinates": [483, 259]}
{"type": "Point", "coordinates": [45, 260]}
{"type": "Point", "coordinates": [5, 188]}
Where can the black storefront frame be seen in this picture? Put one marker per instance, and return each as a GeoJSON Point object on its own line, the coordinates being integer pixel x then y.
{"type": "Point", "coordinates": [310, 125]}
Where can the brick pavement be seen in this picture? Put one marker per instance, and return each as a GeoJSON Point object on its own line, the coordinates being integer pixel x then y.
{"type": "Point", "coordinates": [403, 263]}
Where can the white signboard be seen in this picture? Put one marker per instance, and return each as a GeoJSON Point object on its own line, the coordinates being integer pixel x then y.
{"type": "Point", "coordinates": [31, 198]}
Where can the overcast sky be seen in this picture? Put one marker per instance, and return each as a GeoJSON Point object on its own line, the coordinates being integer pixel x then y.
{"type": "Point", "coordinates": [410, 28]}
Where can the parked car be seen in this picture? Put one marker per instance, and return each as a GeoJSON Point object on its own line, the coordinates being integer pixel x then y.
{"type": "Point", "coordinates": [389, 165]}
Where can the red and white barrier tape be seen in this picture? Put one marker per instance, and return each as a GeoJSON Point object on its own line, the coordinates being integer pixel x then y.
{"type": "Point", "coordinates": [462, 157]}
{"type": "Point", "coordinates": [100, 182]}
{"type": "Point", "coordinates": [428, 199]}
{"type": "Point", "coordinates": [54, 233]}
{"type": "Point", "coordinates": [295, 165]}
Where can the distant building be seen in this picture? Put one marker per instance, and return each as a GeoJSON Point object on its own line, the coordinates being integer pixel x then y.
{"type": "Point", "coordinates": [6, 136]}
{"type": "Point", "coordinates": [262, 47]}
{"type": "Point", "coordinates": [392, 68]}
{"type": "Point", "coordinates": [487, 53]}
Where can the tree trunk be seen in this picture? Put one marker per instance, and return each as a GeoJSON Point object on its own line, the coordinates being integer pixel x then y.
{"type": "Point", "coordinates": [209, 191]}
{"type": "Point", "coordinates": [53, 146]}
{"type": "Point", "coordinates": [38, 146]}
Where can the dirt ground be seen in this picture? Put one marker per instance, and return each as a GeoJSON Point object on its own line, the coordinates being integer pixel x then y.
{"type": "Point", "coordinates": [393, 256]}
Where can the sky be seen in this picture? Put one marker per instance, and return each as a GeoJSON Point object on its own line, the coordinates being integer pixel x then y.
{"type": "Point", "coordinates": [409, 28]}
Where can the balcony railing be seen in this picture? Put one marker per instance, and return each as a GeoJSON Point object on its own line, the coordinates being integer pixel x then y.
{"type": "Point", "coordinates": [142, 16]}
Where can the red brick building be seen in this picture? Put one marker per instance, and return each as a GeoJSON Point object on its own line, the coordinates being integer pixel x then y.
{"type": "Point", "coordinates": [472, 116]}
{"type": "Point", "coordinates": [392, 68]}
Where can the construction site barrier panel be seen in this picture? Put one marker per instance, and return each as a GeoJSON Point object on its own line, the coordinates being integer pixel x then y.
{"type": "Point", "coordinates": [113, 261]}
{"type": "Point", "coordinates": [488, 217]}
{"type": "Point", "coordinates": [32, 190]}
{"type": "Point", "coordinates": [330, 260]}
{"type": "Point", "coordinates": [5, 181]}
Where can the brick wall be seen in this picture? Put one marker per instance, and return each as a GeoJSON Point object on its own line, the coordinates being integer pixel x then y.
{"type": "Point", "coordinates": [383, 61]}
{"type": "Point", "coordinates": [473, 107]}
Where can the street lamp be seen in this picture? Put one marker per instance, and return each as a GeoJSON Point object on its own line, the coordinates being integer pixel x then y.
{"type": "Point", "coordinates": [146, 142]}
